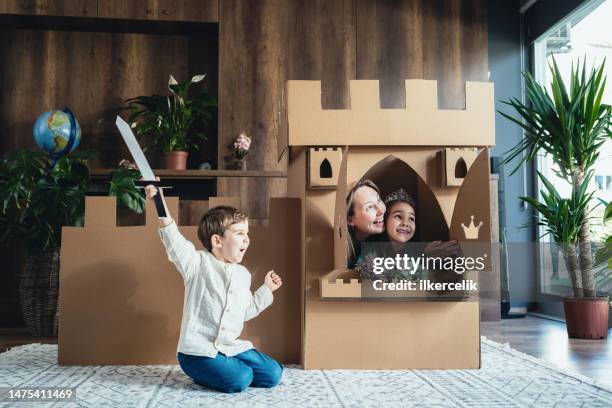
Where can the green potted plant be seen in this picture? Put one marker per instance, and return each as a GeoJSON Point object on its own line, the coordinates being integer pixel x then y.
{"type": "Point", "coordinates": [169, 121]}
{"type": "Point", "coordinates": [603, 255]}
{"type": "Point", "coordinates": [38, 199]}
{"type": "Point", "coordinates": [570, 125]}
{"type": "Point", "coordinates": [123, 186]}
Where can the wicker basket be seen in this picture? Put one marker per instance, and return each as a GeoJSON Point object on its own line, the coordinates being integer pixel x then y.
{"type": "Point", "coordinates": [39, 291]}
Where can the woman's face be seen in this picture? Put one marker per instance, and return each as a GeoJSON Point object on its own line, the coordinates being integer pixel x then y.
{"type": "Point", "coordinates": [369, 212]}
{"type": "Point", "coordinates": [401, 222]}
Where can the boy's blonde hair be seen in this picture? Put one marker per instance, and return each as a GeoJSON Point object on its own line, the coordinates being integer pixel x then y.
{"type": "Point", "coordinates": [216, 220]}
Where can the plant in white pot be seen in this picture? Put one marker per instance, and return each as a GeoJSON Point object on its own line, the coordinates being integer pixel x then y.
{"type": "Point", "coordinates": [169, 122]}
{"type": "Point", "coordinates": [570, 124]}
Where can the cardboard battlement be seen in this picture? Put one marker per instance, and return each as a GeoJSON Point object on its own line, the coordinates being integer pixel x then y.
{"type": "Point", "coordinates": [365, 123]}
{"type": "Point", "coordinates": [117, 286]}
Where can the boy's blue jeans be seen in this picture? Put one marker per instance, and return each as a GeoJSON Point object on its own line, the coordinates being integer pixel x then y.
{"type": "Point", "coordinates": [232, 374]}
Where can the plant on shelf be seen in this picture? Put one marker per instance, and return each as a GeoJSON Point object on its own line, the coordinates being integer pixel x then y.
{"type": "Point", "coordinates": [38, 198]}
{"type": "Point", "coordinates": [123, 186]}
{"type": "Point", "coordinates": [569, 124]}
{"type": "Point", "coordinates": [240, 149]}
{"type": "Point", "coordinates": [169, 122]}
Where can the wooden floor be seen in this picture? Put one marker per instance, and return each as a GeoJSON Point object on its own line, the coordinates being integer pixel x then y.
{"type": "Point", "coordinates": [547, 339]}
{"type": "Point", "coordinates": [542, 338]}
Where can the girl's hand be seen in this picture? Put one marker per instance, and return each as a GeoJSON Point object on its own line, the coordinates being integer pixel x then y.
{"type": "Point", "coordinates": [273, 281]}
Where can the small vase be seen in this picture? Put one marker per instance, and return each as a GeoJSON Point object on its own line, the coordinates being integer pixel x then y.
{"type": "Point", "coordinates": [240, 165]}
{"type": "Point", "coordinates": [174, 161]}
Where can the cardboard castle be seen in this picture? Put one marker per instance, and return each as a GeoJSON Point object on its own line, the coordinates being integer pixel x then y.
{"type": "Point", "coordinates": [121, 300]}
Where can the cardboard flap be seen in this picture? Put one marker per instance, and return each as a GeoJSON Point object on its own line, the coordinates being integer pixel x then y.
{"type": "Point", "coordinates": [421, 94]}
{"type": "Point", "coordinates": [365, 96]}
{"type": "Point", "coordinates": [282, 138]}
{"type": "Point", "coordinates": [471, 220]}
{"type": "Point", "coordinates": [340, 226]}
{"type": "Point", "coordinates": [101, 212]}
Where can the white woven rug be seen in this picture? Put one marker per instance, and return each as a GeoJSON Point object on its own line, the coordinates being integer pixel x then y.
{"type": "Point", "coordinates": [508, 378]}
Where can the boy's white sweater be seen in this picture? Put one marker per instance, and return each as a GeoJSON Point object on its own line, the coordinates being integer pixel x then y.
{"type": "Point", "coordinates": [218, 298]}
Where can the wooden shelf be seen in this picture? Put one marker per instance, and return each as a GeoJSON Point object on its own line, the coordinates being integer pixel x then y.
{"type": "Point", "coordinates": [98, 174]}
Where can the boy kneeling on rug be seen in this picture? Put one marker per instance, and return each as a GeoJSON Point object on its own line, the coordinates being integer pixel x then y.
{"type": "Point", "coordinates": [218, 300]}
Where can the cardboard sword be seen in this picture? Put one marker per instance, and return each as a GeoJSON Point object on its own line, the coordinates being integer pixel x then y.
{"type": "Point", "coordinates": [142, 163]}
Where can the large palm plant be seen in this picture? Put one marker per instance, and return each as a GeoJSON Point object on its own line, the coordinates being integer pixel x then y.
{"type": "Point", "coordinates": [570, 125]}
{"type": "Point", "coordinates": [563, 218]}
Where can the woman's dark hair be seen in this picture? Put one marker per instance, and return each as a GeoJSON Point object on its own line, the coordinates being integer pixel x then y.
{"type": "Point", "coordinates": [352, 247]}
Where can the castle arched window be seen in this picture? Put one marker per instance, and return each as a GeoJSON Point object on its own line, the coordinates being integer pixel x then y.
{"type": "Point", "coordinates": [460, 168]}
{"type": "Point", "coordinates": [325, 169]}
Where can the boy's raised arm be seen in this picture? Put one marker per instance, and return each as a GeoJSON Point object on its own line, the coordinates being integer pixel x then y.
{"type": "Point", "coordinates": [181, 252]}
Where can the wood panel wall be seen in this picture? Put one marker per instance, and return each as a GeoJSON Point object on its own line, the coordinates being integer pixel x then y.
{"type": "Point", "coordinates": [264, 43]}
{"type": "Point", "coordinates": [169, 10]}
{"type": "Point", "coordinates": [50, 7]}
{"type": "Point", "coordinates": [92, 73]}
{"type": "Point", "coordinates": [173, 10]}
{"type": "Point", "coordinates": [261, 44]}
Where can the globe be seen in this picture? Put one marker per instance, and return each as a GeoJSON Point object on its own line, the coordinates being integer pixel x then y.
{"type": "Point", "coordinates": [53, 131]}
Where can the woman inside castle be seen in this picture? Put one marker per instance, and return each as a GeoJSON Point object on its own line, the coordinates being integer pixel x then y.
{"type": "Point", "coordinates": [365, 213]}
{"type": "Point", "coordinates": [400, 229]}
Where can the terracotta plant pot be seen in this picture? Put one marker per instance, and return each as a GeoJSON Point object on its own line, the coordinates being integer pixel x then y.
{"type": "Point", "coordinates": [586, 318]}
{"type": "Point", "coordinates": [174, 160]}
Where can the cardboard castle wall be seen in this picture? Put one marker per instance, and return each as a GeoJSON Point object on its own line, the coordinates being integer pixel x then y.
{"type": "Point", "coordinates": [121, 299]}
{"type": "Point", "coordinates": [421, 123]}
{"type": "Point", "coordinates": [349, 333]}
{"type": "Point", "coordinates": [340, 332]}
{"type": "Point", "coordinates": [432, 222]}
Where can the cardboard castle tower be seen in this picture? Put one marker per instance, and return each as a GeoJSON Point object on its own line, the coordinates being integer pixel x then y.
{"type": "Point", "coordinates": [441, 158]}
{"type": "Point", "coordinates": [121, 300]}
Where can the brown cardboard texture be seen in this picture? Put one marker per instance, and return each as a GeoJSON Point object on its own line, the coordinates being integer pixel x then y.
{"type": "Point", "coordinates": [121, 299]}
{"type": "Point", "coordinates": [388, 146]}
{"type": "Point", "coordinates": [429, 213]}
{"type": "Point", "coordinates": [323, 167]}
{"type": "Point", "coordinates": [334, 327]}
{"type": "Point", "coordinates": [340, 222]}
{"type": "Point", "coordinates": [421, 123]}
{"type": "Point", "coordinates": [456, 163]}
